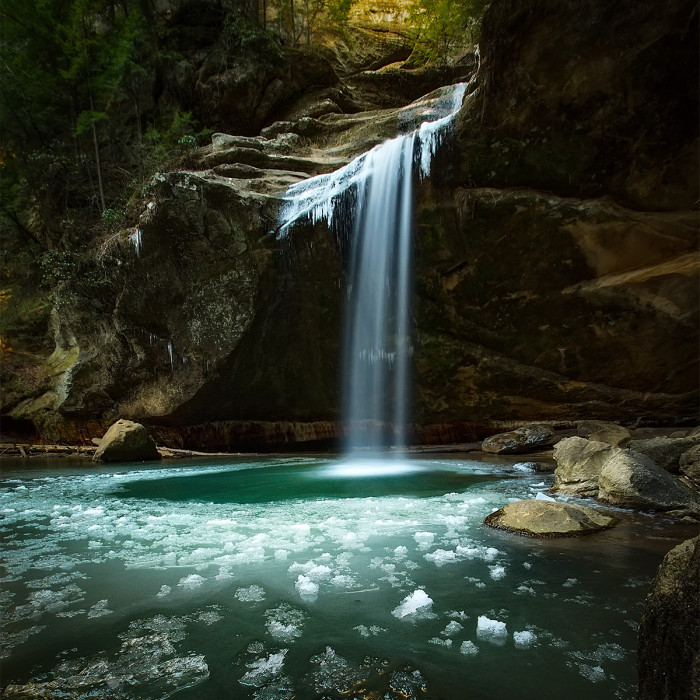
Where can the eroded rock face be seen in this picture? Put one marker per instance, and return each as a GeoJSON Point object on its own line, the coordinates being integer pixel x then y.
{"type": "Point", "coordinates": [557, 264]}
{"type": "Point", "coordinates": [668, 655]}
{"type": "Point", "coordinates": [537, 518]}
{"type": "Point", "coordinates": [526, 439]}
{"type": "Point", "coordinates": [126, 441]}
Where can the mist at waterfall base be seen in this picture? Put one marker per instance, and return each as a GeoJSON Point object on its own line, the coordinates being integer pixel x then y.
{"type": "Point", "coordinates": [369, 205]}
{"type": "Point", "coordinates": [288, 578]}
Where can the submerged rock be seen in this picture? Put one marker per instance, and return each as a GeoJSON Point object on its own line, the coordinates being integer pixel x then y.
{"type": "Point", "coordinates": [536, 518]}
{"type": "Point", "coordinates": [668, 656]}
{"type": "Point", "coordinates": [632, 480]}
{"type": "Point", "coordinates": [665, 451]}
{"type": "Point", "coordinates": [126, 441]}
{"type": "Point", "coordinates": [579, 462]}
{"type": "Point", "coordinates": [525, 439]}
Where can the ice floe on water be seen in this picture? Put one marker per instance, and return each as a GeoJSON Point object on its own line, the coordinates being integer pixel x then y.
{"type": "Point", "coordinates": [417, 606]}
{"type": "Point", "coordinates": [304, 585]}
{"type": "Point", "coordinates": [493, 631]}
{"type": "Point", "coordinates": [468, 648]}
{"type": "Point", "coordinates": [285, 623]}
{"type": "Point", "coordinates": [264, 669]}
{"type": "Point", "coordinates": [252, 594]}
{"type": "Point", "coordinates": [524, 639]}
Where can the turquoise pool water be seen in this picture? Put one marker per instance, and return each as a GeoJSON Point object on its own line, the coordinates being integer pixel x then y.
{"type": "Point", "coordinates": [303, 577]}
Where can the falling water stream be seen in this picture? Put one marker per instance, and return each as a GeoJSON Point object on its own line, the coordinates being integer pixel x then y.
{"type": "Point", "coordinates": [375, 191]}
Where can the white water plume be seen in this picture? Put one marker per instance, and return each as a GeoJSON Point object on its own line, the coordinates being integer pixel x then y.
{"type": "Point", "coordinates": [372, 197]}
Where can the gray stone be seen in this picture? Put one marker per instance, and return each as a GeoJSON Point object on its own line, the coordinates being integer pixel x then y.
{"type": "Point", "coordinates": [602, 431]}
{"type": "Point", "coordinates": [690, 464]}
{"type": "Point", "coordinates": [632, 480]}
{"type": "Point", "coordinates": [126, 441]}
{"type": "Point", "coordinates": [668, 654]}
{"type": "Point", "coordinates": [540, 518]}
{"type": "Point", "coordinates": [579, 462]}
{"type": "Point", "coordinates": [526, 439]}
{"type": "Point", "coordinates": [665, 451]}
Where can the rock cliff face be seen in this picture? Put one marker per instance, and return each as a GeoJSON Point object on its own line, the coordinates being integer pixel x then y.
{"type": "Point", "coordinates": [558, 261]}
{"type": "Point", "coordinates": [557, 264]}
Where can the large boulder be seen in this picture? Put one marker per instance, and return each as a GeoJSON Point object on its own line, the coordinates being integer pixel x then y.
{"type": "Point", "coordinates": [632, 480]}
{"type": "Point", "coordinates": [540, 518]}
{"type": "Point", "coordinates": [665, 451]}
{"type": "Point", "coordinates": [126, 441]}
{"type": "Point", "coordinates": [668, 655]}
{"type": "Point", "coordinates": [603, 431]}
{"type": "Point", "coordinates": [579, 462]}
{"type": "Point", "coordinates": [525, 439]}
{"type": "Point", "coordinates": [690, 464]}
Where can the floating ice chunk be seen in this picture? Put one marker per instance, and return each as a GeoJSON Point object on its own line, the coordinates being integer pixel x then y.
{"type": "Point", "coordinates": [400, 552]}
{"type": "Point", "coordinates": [524, 466]}
{"type": "Point", "coordinates": [252, 594]}
{"type": "Point", "coordinates": [408, 684]}
{"type": "Point", "coordinates": [497, 572]}
{"type": "Point", "coordinates": [416, 606]}
{"type": "Point", "coordinates": [524, 639]}
{"type": "Point", "coordinates": [281, 554]}
{"type": "Point", "coordinates": [543, 497]}
{"type": "Point", "coordinates": [440, 557]}
{"type": "Point", "coordinates": [306, 586]}
{"type": "Point", "coordinates": [458, 615]}
{"type": "Point", "coordinates": [191, 581]}
{"type": "Point", "coordinates": [492, 631]}
{"type": "Point", "coordinates": [164, 590]}
{"type": "Point", "coordinates": [264, 669]}
{"type": "Point", "coordinates": [595, 674]}
{"type": "Point", "coordinates": [372, 630]}
{"type": "Point", "coordinates": [452, 629]}
{"type": "Point", "coordinates": [334, 673]}
{"type": "Point", "coordinates": [284, 622]}
{"type": "Point", "coordinates": [424, 539]}
{"type": "Point", "coordinates": [570, 582]}
{"type": "Point", "coordinates": [343, 581]}
{"type": "Point", "coordinates": [99, 609]}
{"type": "Point", "coordinates": [438, 641]}
{"type": "Point", "coordinates": [527, 565]}
{"type": "Point", "coordinates": [469, 648]}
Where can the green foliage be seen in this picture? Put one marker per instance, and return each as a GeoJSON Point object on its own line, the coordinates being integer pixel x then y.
{"type": "Point", "coordinates": [297, 21]}
{"type": "Point", "coordinates": [443, 26]}
{"type": "Point", "coordinates": [241, 32]}
{"type": "Point", "coordinates": [113, 218]}
{"type": "Point", "coordinates": [57, 266]}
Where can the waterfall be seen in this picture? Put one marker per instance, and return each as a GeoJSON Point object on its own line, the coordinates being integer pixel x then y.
{"type": "Point", "coordinates": [370, 201]}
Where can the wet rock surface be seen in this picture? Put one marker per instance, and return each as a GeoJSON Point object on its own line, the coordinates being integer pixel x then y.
{"type": "Point", "coordinates": [541, 518]}
{"type": "Point", "coordinates": [621, 477]}
{"type": "Point", "coordinates": [668, 653]}
{"type": "Point", "coordinates": [529, 438]}
{"type": "Point", "coordinates": [126, 441]}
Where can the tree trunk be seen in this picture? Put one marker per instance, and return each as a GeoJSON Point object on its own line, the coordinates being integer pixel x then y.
{"type": "Point", "coordinates": [98, 163]}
